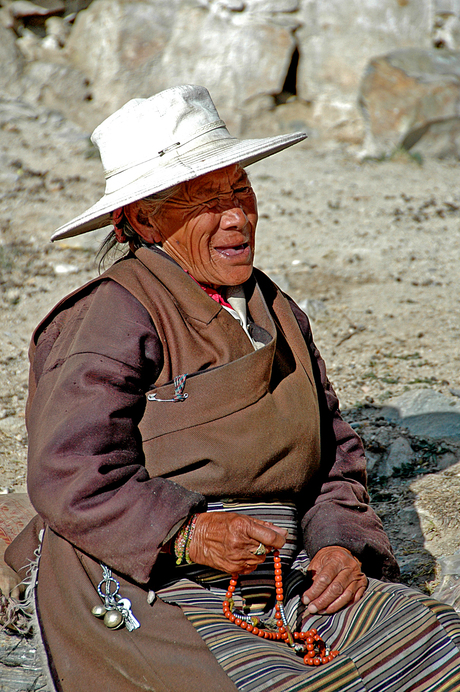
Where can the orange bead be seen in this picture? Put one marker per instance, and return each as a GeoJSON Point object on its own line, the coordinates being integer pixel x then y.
{"type": "Point", "coordinates": [249, 628]}
{"type": "Point", "coordinates": [317, 661]}
{"type": "Point", "coordinates": [313, 632]}
{"type": "Point", "coordinates": [278, 615]}
{"type": "Point", "coordinates": [238, 621]}
{"type": "Point", "coordinates": [307, 661]}
{"type": "Point", "coordinates": [261, 633]}
{"type": "Point", "coordinates": [232, 617]}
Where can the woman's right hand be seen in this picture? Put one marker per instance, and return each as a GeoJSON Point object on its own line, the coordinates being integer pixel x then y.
{"type": "Point", "coordinates": [227, 541]}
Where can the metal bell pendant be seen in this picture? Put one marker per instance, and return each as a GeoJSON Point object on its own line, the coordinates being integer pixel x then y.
{"type": "Point", "coordinates": [99, 610]}
{"type": "Point", "coordinates": [113, 619]}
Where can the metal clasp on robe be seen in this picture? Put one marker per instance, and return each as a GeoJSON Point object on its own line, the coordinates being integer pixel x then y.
{"type": "Point", "coordinates": [179, 395]}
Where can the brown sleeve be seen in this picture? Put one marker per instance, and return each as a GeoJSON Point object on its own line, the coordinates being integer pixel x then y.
{"type": "Point", "coordinates": [341, 514]}
{"type": "Point", "coordinates": [87, 479]}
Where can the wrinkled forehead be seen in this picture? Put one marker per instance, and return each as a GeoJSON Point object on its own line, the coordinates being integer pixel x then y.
{"type": "Point", "coordinates": [213, 184]}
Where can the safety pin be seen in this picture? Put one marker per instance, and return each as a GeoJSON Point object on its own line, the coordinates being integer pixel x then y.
{"type": "Point", "coordinates": [179, 386]}
{"type": "Point", "coordinates": [178, 397]}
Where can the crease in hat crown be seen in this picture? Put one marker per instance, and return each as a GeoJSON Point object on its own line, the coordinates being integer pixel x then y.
{"type": "Point", "coordinates": [151, 144]}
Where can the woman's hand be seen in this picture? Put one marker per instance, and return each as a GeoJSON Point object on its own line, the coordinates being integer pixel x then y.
{"type": "Point", "coordinates": [337, 580]}
{"type": "Point", "coordinates": [227, 541]}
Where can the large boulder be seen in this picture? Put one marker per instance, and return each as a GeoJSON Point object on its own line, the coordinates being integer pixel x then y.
{"type": "Point", "coordinates": [336, 40]}
{"type": "Point", "coordinates": [118, 44]}
{"type": "Point", "coordinates": [412, 97]}
{"type": "Point", "coordinates": [231, 57]}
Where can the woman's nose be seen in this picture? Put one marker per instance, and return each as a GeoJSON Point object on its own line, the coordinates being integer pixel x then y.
{"type": "Point", "coordinates": [233, 218]}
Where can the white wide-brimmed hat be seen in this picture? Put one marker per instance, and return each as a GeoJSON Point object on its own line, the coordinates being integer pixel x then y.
{"type": "Point", "coordinates": [152, 144]}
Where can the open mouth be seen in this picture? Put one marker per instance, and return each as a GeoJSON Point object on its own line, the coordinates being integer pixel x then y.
{"type": "Point", "coordinates": [233, 250]}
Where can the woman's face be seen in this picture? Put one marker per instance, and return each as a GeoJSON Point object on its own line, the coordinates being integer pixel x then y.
{"type": "Point", "coordinates": [209, 227]}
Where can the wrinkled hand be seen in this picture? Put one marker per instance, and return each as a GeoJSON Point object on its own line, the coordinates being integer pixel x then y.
{"type": "Point", "coordinates": [337, 580]}
{"type": "Point", "coordinates": [227, 541]}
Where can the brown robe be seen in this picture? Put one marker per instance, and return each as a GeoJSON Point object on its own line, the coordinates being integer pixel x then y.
{"type": "Point", "coordinates": [113, 476]}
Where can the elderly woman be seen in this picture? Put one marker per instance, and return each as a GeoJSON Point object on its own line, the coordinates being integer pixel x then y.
{"type": "Point", "coordinates": [202, 518]}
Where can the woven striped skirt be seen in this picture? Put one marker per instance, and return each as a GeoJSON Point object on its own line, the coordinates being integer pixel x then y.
{"type": "Point", "coordinates": [395, 639]}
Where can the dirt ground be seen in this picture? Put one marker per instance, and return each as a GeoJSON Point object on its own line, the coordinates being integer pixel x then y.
{"type": "Point", "coordinates": [369, 249]}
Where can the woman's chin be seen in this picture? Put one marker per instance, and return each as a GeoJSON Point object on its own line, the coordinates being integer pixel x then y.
{"type": "Point", "coordinates": [234, 276]}
{"type": "Point", "coordinates": [231, 270]}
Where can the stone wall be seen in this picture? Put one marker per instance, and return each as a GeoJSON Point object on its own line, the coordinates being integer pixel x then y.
{"type": "Point", "coordinates": [271, 65]}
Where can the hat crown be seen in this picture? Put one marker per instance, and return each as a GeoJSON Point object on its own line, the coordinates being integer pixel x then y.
{"type": "Point", "coordinates": [145, 128]}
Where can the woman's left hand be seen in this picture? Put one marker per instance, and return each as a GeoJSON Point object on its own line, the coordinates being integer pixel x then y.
{"type": "Point", "coordinates": [337, 580]}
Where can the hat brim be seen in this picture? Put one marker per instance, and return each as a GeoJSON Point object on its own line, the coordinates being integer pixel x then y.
{"type": "Point", "coordinates": [199, 161]}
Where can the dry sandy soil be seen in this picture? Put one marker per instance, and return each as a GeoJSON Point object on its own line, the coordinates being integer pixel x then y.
{"type": "Point", "coordinates": [370, 249]}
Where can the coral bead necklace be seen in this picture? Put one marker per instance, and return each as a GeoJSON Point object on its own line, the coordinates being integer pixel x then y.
{"type": "Point", "coordinates": [309, 644]}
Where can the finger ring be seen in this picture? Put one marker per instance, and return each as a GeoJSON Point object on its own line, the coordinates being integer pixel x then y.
{"type": "Point", "coordinates": [261, 550]}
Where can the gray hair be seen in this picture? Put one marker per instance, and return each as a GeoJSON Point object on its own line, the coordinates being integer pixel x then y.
{"type": "Point", "coordinates": [148, 206]}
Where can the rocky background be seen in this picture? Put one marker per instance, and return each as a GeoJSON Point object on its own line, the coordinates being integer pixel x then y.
{"type": "Point", "coordinates": [360, 223]}
{"type": "Point", "coordinates": [377, 74]}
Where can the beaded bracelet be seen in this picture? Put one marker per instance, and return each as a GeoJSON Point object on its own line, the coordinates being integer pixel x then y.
{"type": "Point", "coordinates": [183, 539]}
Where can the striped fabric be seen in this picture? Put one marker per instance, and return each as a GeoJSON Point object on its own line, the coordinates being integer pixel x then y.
{"type": "Point", "coordinates": [395, 639]}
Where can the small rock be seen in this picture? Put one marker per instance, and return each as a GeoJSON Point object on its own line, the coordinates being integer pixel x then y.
{"type": "Point", "coordinates": [57, 30]}
{"type": "Point", "coordinates": [65, 269]}
{"type": "Point", "coordinates": [445, 461]}
{"type": "Point", "coordinates": [373, 462]}
{"type": "Point", "coordinates": [30, 45]}
{"type": "Point", "coordinates": [448, 590]}
{"type": "Point", "coordinates": [426, 413]}
{"type": "Point", "coordinates": [400, 453]}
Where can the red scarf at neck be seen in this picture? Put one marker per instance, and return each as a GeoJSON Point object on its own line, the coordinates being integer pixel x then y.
{"type": "Point", "coordinates": [212, 292]}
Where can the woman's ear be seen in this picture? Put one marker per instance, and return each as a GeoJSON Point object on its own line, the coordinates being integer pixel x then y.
{"type": "Point", "coordinates": [141, 224]}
